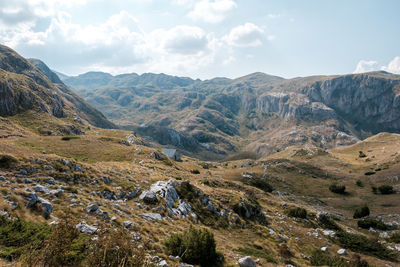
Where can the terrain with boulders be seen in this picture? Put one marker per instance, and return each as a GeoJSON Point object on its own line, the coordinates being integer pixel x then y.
{"type": "Point", "coordinates": [111, 197]}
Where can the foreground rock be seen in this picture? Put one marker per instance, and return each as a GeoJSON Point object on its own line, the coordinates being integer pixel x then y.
{"type": "Point", "coordinates": [247, 262]}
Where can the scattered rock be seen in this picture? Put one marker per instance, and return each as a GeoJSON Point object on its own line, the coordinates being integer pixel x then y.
{"type": "Point", "coordinates": [92, 208]}
{"type": "Point", "coordinates": [163, 263]}
{"type": "Point", "coordinates": [128, 224]}
{"type": "Point", "coordinates": [151, 216]}
{"type": "Point", "coordinates": [149, 197]}
{"type": "Point", "coordinates": [47, 207]}
{"type": "Point", "coordinates": [342, 251]}
{"type": "Point", "coordinates": [41, 188]}
{"type": "Point", "coordinates": [325, 249]}
{"type": "Point", "coordinates": [85, 228]}
{"type": "Point", "coordinates": [247, 262]}
{"type": "Point", "coordinates": [156, 155]}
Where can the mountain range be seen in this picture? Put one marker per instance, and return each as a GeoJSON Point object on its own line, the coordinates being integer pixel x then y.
{"type": "Point", "coordinates": [257, 114]}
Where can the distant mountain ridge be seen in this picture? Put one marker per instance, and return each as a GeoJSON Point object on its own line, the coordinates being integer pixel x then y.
{"type": "Point", "coordinates": [29, 85]}
{"type": "Point", "coordinates": [258, 112]}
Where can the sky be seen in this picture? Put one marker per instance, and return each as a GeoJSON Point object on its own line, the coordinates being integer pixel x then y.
{"type": "Point", "coordinates": [206, 38]}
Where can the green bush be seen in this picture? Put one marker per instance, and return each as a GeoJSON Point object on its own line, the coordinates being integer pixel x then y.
{"type": "Point", "coordinates": [18, 236]}
{"type": "Point", "coordinates": [328, 223]}
{"type": "Point", "coordinates": [361, 212]}
{"type": "Point", "coordinates": [66, 246]}
{"type": "Point", "coordinates": [395, 238]}
{"type": "Point", "coordinates": [319, 258]}
{"type": "Point", "coordinates": [296, 212]}
{"type": "Point", "coordinates": [337, 189]}
{"type": "Point", "coordinates": [67, 138]}
{"type": "Point", "coordinates": [195, 171]}
{"type": "Point", "coordinates": [6, 161]}
{"type": "Point", "coordinates": [186, 191]}
{"type": "Point", "coordinates": [374, 189]}
{"type": "Point", "coordinates": [386, 189]}
{"type": "Point", "coordinates": [259, 182]}
{"type": "Point", "coordinates": [359, 183]}
{"type": "Point", "coordinates": [362, 244]}
{"type": "Point", "coordinates": [115, 248]}
{"type": "Point", "coordinates": [361, 154]}
{"type": "Point", "coordinates": [376, 224]}
{"type": "Point", "coordinates": [195, 246]}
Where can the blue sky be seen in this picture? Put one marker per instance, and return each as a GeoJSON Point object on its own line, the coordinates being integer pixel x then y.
{"type": "Point", "coordinates": [206, 38]}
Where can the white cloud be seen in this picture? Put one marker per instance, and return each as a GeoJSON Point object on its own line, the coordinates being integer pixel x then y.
{"type": "Point", "coordinates": [212, 11]}
{"type": "Point", "coordinates": [366, 66]}
{"type": "Point", "coordinates": [13, 12]}
{"type": "Point", "coordinates": [185, 40]}
{"type": "Point", "coordinates": [117, 45]}
{"type": "Point", "coordinates": [244, 35]}
{"type": "Point", "coordinates": [393, 66]}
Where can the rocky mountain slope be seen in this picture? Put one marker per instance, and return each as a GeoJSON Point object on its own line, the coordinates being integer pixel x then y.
{"type": "Point", "coordinates": [30, 87]}
{"type": "Point", "coordinates": [257, 113]}
{"type": "Point", "coordinates": [84, 196]}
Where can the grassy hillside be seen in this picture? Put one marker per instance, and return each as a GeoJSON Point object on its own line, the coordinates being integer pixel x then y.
{"type": "Point", "coordinates": [99, 168]}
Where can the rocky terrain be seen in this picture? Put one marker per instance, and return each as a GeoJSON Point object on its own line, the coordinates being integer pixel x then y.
{"type": "Point", "coordinates": [30, 86]}
{"type": "Point", "coordinates": [257, 113]}
{"type": "Point", "coordinates": [75, 194]}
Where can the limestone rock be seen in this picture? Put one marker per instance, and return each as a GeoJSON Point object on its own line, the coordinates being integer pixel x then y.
{"type": "Point", "coordinates": [247, 262]}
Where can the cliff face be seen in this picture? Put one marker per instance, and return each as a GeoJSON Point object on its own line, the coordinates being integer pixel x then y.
{"type": "Point", "coordinates": [31, 85]}
{"type": "Point", "coordinates": [369, 101]}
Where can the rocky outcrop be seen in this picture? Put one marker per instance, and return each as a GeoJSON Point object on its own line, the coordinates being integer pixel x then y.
{"type": "Point", "coordinates": [173, 203]}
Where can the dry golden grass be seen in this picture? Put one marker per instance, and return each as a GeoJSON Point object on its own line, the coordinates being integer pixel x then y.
{"type": "Point", "coordinates": [129, 166]}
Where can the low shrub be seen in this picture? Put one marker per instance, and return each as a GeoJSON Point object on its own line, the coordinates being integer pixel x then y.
{"type": "Point", "coordinates": [67, 138]}
{"type": "Point", "coordinates": [374, 189]}
{"type": "Point", "coordinates": [386, 189]}
{"type": "Point", "coordinates": [195, 171]}
{"type": "Point", "coordinates": [376, 224]}
{"type": "Point", "coordinates": [361, 154]}
{"type": "Point", "coordinates": [65, 246]}
{"type": "Point", "coordinates": [337, 189]}
{"type": "Point", "coordinates": [362, 244]}
{"type": "Point", "coordinates": [395, 238]}
{"type": "Point", "coordinates": [6, 161]}
{"type": "Point", "coordinates": [296, 212]}
{"type": "Point", "coordinates": [17, 236]}
{"type": "Point", "coordinates": [195, 246]}
{"type": "Point", "coordinates": [361, 212]}
{"type": "Point", "coordinates": [259, 182]}
{"type": "Point", "coordinates": [359, 183]}
{"type": "Point", "coordinates": [320, 258]}
{"type": "Point", "coordinates": [326, 222]}
{"type": "Point", "coordinates": [115, 248]}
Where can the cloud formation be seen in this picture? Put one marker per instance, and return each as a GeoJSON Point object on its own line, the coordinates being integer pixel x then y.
{"type": "Point", "coordinates": [366, 66]}
{"type": "Point", "coordinates": [393, 66]}
{"type": "Point", "coordinates": [244, 35]}
{"type": "Point", "coordinates": [212, 11]}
